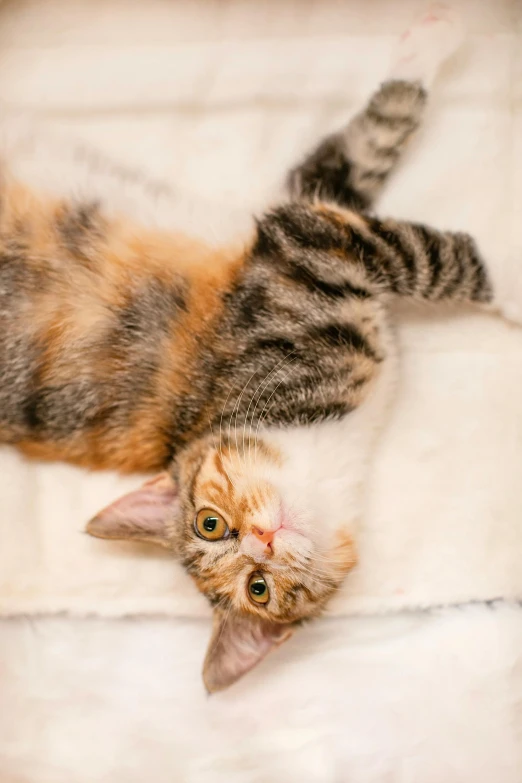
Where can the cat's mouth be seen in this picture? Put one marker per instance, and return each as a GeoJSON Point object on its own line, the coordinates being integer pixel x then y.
{"type": "Point", "coordinates": [278, 546]}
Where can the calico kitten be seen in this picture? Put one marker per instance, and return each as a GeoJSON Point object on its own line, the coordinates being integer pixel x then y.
{"type": "Point", "coordinates": [255, 377]}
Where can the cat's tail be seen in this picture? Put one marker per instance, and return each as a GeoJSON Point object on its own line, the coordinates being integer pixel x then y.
{"type": "Point", "coordinates": [351, 166]}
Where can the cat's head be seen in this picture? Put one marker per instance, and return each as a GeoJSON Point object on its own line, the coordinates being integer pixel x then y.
{"type": "Point", "coordinates": [242, 518]}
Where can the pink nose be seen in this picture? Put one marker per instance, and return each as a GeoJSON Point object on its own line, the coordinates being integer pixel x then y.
{"type": "Point", "coordinates": [265, 536]}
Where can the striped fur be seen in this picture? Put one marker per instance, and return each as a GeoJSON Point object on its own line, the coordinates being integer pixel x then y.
{"type": "Point", "coordinates": [119, 346]}
{"type": "Point", "coordinates": [351, 167]}
{"type": "Point", "coordinates": [126, 348]}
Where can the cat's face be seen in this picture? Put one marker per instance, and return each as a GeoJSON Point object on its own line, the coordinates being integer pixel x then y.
{"type": "Point", "coordinates": [247, 542]}
{"type": "Point", "coordinates": [250, 537]}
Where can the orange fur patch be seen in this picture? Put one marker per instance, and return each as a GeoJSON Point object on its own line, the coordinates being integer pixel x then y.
{"type": "Point", "coordinates": [80, 300]}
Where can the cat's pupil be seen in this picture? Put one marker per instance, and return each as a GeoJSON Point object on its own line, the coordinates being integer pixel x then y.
{"type": "Point", "coordinates": [210, 524]}
{"type": "Point", "coordinates": [258, 588]}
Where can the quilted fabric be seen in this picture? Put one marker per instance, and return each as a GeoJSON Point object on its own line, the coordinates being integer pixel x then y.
{"type": "Point", "coordinates": [187, 113]}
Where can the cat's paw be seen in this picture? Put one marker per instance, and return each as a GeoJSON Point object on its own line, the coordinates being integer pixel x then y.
{"type": "Point", "coordinates": [425, 46]}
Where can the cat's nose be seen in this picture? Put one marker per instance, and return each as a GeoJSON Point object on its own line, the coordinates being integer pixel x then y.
{"type": "Point", "coordinates": [265, 536]}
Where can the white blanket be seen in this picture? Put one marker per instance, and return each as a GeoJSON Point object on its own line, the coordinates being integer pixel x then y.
{"type": "Point", "coordinates": [215, 100]}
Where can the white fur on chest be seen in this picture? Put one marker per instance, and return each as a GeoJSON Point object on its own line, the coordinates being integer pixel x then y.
{"type": "Point", "coordinates": [326, 465]}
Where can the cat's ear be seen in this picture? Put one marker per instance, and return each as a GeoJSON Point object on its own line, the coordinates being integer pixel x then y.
{"type": "Point", "coordinates": [143, 515]}
{"type": "Point", "coordinates": [237, 644]}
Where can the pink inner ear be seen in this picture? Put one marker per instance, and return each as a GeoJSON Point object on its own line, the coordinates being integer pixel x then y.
{"type": "Point", "coordinates": [238, 644]}
{"type": "Point", "coordinates": [141, 515]}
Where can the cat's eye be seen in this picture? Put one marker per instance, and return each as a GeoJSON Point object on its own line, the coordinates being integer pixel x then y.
{"type": "Point", "coordinates": [258, 589]}
{"type": "Point", "coordinates": [210, 525]}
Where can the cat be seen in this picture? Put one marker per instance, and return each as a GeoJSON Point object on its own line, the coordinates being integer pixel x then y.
{"type": "Point", "coordinates": [251, 377]}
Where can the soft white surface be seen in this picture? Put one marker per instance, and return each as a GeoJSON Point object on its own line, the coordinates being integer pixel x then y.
{"type": "Point", "coordinates": [216, 98]}
{"type": "Point", "coordinates": [404, 700]}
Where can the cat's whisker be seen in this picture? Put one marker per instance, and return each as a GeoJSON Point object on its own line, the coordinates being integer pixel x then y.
{"type": "Point", "coordinates": [233, 386]}
{"type": "Point", "coordinates": [317, 573]}
{"type": "Point", "coordinates": [325, 576]}
{"type": "Point", "coordinates": [318, 577]}
{"type": "Point", "coordinates": [261, 419]}
{"type": "Point", "coordinates": [246, 415]}
{"type": "Point", "coordinates": [245, 423]}
{"type": "Point", "coordinates": [264, 382]}
{"type": "Point", "coordinates": [321, 558]}
{"type": "Point", "coordinates": [264, 407]}
{"type": "Point", "coordinates": [316, 565]}
{"type": "Point", "coordinates": [318, 581]}
{"type": "Point", "coordinates": [329, 561]}
{"type": "Point", "coordinates": [220, 452]}
{"type": "Point", "coordinates": [313, 559]}
{"type": "Point", "coordinates": [280, 365]}
{"type": "Point", "coordinates": [212, 433]}
{"type": "Point", "coordinates": [236, 409]}
{"type": "Point", "coordinates": [265, 378]}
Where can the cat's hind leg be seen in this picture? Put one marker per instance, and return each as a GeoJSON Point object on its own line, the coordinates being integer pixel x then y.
{"type": "Point", "coordinates": [419, 53]}
{"type": "Point", "coordinates": [351, 167]}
